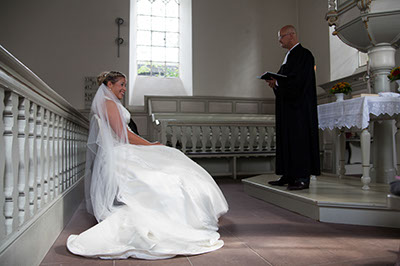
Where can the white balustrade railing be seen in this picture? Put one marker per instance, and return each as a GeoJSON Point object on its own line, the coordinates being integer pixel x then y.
{"type": "Point", "coordinates": [218, 136]}
{"type": "Point", "coordinates": [42, 147]}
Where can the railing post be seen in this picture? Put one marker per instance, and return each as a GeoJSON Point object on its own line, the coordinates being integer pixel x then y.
{"type": "Point", "coordinates": [11, 160]}
{"type": "Point", "coordinates": [51, 155]}
{"type": "Point", "coordinates": [32, 158]}
{"type": "Point", "coordinates": [39, 156]}
{"type": "Point", "coordinates": [56, 156]}
{"type": "Point", "coordinates": [2, 161]}
{"type": "Point", "coordinates": [23, 137]}
{"type": "Point", "coordinates": [45, 154]}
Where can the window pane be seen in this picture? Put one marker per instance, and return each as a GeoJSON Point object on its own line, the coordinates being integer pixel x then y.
{"type": "Point", "coordinates": [143, 37]}
{"type": "Point", "coordinates": [143, 7]}
{"type": "Point", "coordinates": [172, 55]}
{"type": "Point", "coordinates": [144, 22]}
{"type": "Point", "coordinates": [158, 8]}
{"type": "Point", "coordinates": [158, 69]}
{"type": "Point", "coordinates": [172, 39]}
{"type": "Point", "coordinates": [158, 24]}
{"type": "Point", "coordinates": [172, 9]}
{"type": "Point", "coordinates": [143, 53]}
{"type": "Point", "coordinates": [172, 71]}
{"type": "Point", "coordinates": [158, 39]}
{"type": "Point", "coordinates": [158, 54]}
{"type": "Point", "coordinates": [144, 68]}
{"type": "Point", "coordinates": [172, 24]}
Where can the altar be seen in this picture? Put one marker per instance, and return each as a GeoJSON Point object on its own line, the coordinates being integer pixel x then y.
{"type": "Point", "coordinates": [359, 113]}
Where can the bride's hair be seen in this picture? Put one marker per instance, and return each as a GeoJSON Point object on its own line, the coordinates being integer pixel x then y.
{"type": "Point", "coordinates": [107, 76]}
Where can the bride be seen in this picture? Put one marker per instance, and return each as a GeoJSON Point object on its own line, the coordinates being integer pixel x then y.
{"type": "Point", "coordinates": [151, 201]}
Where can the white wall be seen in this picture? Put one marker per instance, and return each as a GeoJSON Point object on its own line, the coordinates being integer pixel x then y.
{"type": "Point", "coordinates": [64, 41]}
{"type": "Point", "coordinates": [234, 41]}
{"type": "Point", "coordinates": [314, 35]}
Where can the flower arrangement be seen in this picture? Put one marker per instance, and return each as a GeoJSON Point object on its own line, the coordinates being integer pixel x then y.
{"type": "Point", "coordinates": [341, 87]}
{"type": "Point", "coordinates": [394, 74]}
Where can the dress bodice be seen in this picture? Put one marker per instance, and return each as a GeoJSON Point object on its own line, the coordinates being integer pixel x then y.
{"type": "Point", "coordinates": [125, 114]}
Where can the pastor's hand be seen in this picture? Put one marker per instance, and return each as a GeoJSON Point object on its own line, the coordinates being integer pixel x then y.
{"type": "Point", "coordinates": [271, 82]}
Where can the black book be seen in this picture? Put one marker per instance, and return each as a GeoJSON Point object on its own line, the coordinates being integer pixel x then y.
{"type": "Point", "coordinates": [269, 75]}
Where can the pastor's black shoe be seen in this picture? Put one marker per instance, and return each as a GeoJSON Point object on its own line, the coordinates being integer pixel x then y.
{"type": "Point", "coordinates": [280, 182]}
{"type": "Point", "coordinates": [298, 185]}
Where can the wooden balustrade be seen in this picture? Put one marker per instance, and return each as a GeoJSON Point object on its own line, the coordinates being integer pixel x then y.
{"type": "Point", "coordinates": [231, 138]}
{"type": "Point", "coordinates": [202, 137]}
{"type": "Point", "coordinates": [42, 148]}
{"type": "Point", "coordinates": [43, 155]}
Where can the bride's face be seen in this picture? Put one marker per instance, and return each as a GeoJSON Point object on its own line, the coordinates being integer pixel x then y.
{"type": "Point", "coordinates": [118, 88]}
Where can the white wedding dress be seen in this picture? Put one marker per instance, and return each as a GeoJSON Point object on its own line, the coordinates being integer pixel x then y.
{"type": "Point", "coordinates": [165, 205]}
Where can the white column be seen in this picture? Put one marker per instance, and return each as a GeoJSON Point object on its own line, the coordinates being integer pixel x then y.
{"type": "Point", "coordinates": [381, 62]}
{"type": "Point", "coordinates": [365, 149]}
{"type": "Point", "coordinates": [341, 152]}
{"type": "Point", "coordinates": [383, 161]}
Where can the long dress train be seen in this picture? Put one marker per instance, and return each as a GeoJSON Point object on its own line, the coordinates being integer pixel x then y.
{"type": "Point", "coordinates": [165, 205]}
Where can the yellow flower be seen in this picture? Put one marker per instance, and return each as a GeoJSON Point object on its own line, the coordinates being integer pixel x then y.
{"type": "Point", "coordinates": [341, 87]}
{"type": "Point", "coordinates": [394, 74]}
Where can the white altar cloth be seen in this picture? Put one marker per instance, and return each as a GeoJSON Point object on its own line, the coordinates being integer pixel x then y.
{"type": "Point", "coordinates": [356, 112]}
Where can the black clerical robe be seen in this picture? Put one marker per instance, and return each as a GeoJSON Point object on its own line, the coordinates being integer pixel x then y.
{"type": "Point", "coordinates": [297, 142]}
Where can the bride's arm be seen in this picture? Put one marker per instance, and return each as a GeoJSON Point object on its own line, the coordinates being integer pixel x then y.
{"type": "Point", "coordinates": [117, 125]}
{"type": "Point", "coordinates": [137, 140]}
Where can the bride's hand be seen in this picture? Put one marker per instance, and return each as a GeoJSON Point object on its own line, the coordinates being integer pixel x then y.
{"type": "Point", "coordinates": [155, 143]}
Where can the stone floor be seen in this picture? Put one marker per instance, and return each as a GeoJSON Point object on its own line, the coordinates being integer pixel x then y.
{"type": "Point", "coordinates": [258, 233]}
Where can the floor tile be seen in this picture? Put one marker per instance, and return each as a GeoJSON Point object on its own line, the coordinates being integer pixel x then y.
{"type": "Point", "coordinates": [176, 261]}
{"type": "Point", "coordinates": [258, 233]}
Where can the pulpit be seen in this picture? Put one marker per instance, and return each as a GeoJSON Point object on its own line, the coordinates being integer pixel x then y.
{"type": "Point", "coordinates": [372, 27]}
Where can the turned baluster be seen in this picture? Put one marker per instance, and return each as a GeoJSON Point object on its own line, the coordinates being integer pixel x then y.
{"type": "Point", "coordinates": [32, 159]}
{"type": "Point", "coordinates": [224, 137]}
{"type": "Point", "coordinates": [252, 137]}
{"type": "Point", "coordinates": [234, 137]}
{"type": "Point", "coordinates": [215, 135]}
{"type": "Point", "coordinates": [51, 155]}
{"type": "Point", "coordinates": [45, 158]}
{"type": "Point", "coordinates": [23, 138]}
{"type": "Point", "coordinates": [184, 138]}
{"type": "Point", "coordinates": [195, 137]}
{"type": "Point", "coordinates": [262, 133]}
{"type": "Point", "coordinates": [243, 139]}
{"type": "Point", "coordinates": [39, 150]}
{"type": "Point", "coordinates": [56, 156]}
{"type": "Point", "coordinates": [11, 160]}
{"type": "Point", "coordinates": [205, 137]}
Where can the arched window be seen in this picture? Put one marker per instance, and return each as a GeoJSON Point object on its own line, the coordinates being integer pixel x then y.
{"type": "Point", "coordinates": [160, 49]}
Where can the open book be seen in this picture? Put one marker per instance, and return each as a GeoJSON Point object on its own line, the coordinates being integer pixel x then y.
{"type": "Point", "coordinates": [269, 75]}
